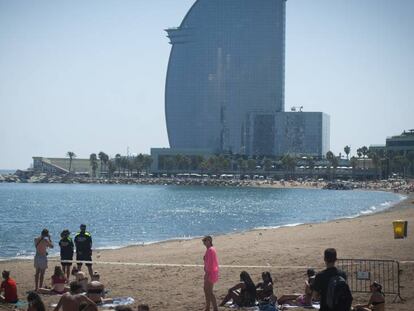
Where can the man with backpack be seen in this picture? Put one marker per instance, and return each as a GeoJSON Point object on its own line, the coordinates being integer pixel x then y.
{"type": "Point", "coordinates": [331, 287]}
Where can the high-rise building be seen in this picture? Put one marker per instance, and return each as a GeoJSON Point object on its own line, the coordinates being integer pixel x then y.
{"type": "Point", "coordinates": [227, 61]}
{"type": "Point", "coordinates": [226, 80]}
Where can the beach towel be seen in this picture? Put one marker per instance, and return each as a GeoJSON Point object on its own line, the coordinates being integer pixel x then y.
{"type": "Point", "coordinates": [118, 301]}
{"type": "Point", "coordinates": [20, 304]}
{"type": "Point", "coordinates": [232, 305]}
{"type": "Point", "coordinates": [316, 306]}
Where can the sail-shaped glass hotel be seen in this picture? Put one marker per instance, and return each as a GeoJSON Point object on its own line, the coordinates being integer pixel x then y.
{"type": "Point", "coordinates": [226, 78]}
{"type": "Point", "coordinates": [227, 60]}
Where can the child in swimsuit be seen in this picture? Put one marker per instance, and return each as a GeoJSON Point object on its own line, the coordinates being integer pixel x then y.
{"type": "Point", "coordinates": [58, 283]}
{"type": "Point", "coordinates": [376, 301]}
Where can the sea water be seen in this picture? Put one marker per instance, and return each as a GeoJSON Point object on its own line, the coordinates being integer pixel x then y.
{"type": "Point", "coordinates": [121, 215]}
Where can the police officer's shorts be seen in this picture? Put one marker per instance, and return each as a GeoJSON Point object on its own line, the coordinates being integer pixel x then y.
{"type": "Point", "coordinates": [84, 257]}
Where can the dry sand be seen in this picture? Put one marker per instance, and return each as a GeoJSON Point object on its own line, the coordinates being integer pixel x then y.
{"type": "Point", "coordinates": [286, 252]}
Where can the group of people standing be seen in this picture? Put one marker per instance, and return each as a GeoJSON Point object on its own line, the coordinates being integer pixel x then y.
{"type": "Point", "coordinates": [82, 242]}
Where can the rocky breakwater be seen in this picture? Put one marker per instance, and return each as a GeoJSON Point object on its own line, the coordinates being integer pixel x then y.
{"type": "Point", "coordinates": [10, 178]}
{"type": "Point", "coordinates": [44, 178]}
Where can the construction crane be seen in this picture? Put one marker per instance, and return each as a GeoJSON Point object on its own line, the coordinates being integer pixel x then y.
{"type": "Point", "coordinates": [296, 108]}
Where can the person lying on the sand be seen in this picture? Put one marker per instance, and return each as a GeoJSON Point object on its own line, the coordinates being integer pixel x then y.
{"type": "Point", "coordinates": [58, 283]}
{"type": "Point", "coordinates": [264, 290]}
{"type": "Point", "coordinates": [376, 301]}
{"type": "Point", "coordinates": [96, 290]}
{"type": "Point", "coordinates": [72, 301]}
{"type": "Point", "coordinates": [243, 293]}
{"type": "Point", "coordinates": [301, 299]}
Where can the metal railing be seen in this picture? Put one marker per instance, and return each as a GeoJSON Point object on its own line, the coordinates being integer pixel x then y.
{"type": "Point", "coordinates": [362, 272]}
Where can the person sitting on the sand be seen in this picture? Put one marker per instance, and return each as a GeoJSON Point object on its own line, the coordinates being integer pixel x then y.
{"type": "Point", "coordinates": [96, 290]}
{"type": "Point", "coordinates": [58, 283]}
{"type": "Point", "coordinates": [301, 299]}
{"type": "Point", "coordinates": [74, 271]}
{"type": "Point", "coordinates": [264, 290]}
{"type": "Point", "coordinates": [376, 301]}
{"type": "Point", "coordinates": [9, 287]}
{"type": "Point", "coordinates": [73, 300]}
{"type": "Point", "coordinates": [35, 302]}
{"type": "Point", "coordinates": [243, 293]}
{"type": "Point", "coordinates": [82, 280]}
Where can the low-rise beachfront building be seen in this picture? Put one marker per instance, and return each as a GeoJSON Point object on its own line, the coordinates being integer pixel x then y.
{"type": "Point", "coordinates": [401, 143]}
{"type": "Point", "coordinates": [58, 166]}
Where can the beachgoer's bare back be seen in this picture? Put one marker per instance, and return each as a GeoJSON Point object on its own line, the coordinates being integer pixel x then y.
{"type": "Point", "coordinates": [41, 245]}
{"type": "Point", "coordinates": [70, 302]}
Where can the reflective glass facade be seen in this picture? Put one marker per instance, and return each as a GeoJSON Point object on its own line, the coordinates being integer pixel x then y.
{"type": "Point", "coordinates": [226, 62]}
{"type": "Point", "coordinates": [302, 133]}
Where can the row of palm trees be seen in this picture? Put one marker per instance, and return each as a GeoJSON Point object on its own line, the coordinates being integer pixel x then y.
{"type": "Point", "coordinates": [385, 163]}
{"type": "Point", "coordinates": [119, 165]}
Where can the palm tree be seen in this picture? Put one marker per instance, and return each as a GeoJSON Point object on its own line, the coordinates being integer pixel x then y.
{"type": "Point", "coordinates": [111, 168]}
{"type": "Point", "coordinates": [147, 163]}
{"type": "Point", "coordinates": [376, 160]}
{"type": "Point", "coordinates": [103, 158]}
{"type": "Point", "coordinates": [311, 164]}
{"type": "Point", "coordinates": [93, 161]}
{"type": "Point", "coordinates": [401, 163]}
{"type": "Point", "coordinates": [359, 152]}
{"type": "Point", "coordinates": [242, 164]}
{"type": "Point", "coordinates": [289, 163]}
{"type": "Point", "coordinates": [71, 155]}
{"type": "Point", "coordinates": [331, 159]}
{"type": "Point", "coordinates": [118, 163]}
{"type": "Point", "coordinates": [364, 151]}
{"type": "Point", "coordinates": [347, 150]}
{"type": "Point", "coordinates": [354, 164]}
{"type": "Point", "coordinates": [267, 164]}
{"type": "Point", "coordinates": [251, 164]}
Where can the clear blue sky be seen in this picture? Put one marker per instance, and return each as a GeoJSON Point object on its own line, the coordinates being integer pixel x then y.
{"type": "Point", "coordinates": [88, 76]}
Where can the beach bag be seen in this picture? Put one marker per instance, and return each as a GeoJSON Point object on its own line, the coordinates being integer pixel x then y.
{"type": "Point", "coordinates": [338, 295]}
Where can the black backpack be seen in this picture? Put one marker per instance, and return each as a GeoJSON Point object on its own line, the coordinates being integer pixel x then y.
{"type": "Point", "coordinates": [338, 296]}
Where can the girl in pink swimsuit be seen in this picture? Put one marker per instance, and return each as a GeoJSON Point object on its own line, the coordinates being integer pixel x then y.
{"type": "Point", "coordinates": [211, 272]}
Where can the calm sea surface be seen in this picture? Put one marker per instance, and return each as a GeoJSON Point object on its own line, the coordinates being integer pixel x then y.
{"type": "Point", "coordinates": [120, 215]}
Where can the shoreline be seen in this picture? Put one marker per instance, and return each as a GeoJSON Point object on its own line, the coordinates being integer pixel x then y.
{"type": "Point", "coordinates": [394, 205]}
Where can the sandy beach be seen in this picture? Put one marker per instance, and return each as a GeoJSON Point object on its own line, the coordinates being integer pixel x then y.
{"type": "Point", "coordinates": [286, 252]}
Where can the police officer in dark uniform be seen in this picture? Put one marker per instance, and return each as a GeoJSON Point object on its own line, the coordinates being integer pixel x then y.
{"type": "Point", "coordinates": [83, 242]}
{"type": "Point", "coordinates": [66, 251]}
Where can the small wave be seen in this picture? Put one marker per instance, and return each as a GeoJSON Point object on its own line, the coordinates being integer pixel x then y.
{"type": "Point", "coordinates": [112, 247]}
{"type": "Point", "coordinates": [370, 211]}
{"type": "Point", "coordinates": [276, 227]}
